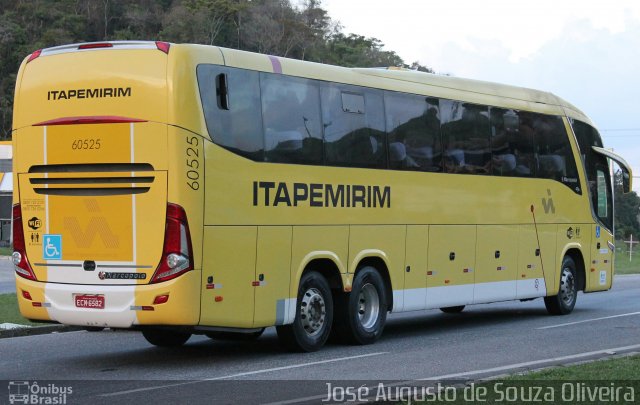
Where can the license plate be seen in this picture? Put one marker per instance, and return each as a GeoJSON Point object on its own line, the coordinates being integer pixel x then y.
{"type": "Point", "coordinates": [89, 301]}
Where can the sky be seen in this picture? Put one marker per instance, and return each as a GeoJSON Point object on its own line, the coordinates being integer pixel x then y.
{"type": "Point", "coordinates": [587, 52]}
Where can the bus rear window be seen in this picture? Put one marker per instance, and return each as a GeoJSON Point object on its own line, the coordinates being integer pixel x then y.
{"type": "Point", "coordinates": [232, 109]}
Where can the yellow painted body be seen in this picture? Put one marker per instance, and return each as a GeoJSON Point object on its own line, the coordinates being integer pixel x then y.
{"type": "Point", "coordinates": [443, 237]}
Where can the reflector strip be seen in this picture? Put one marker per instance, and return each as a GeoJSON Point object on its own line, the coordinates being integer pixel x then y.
{"type": "Point", "coordinates": [96, 45]}
{"type": "Point", "coordinates": [34, 55]}
{"type": "Point", "coordinates": [163, 46]}
{"type": "Point", "coordinates": [141, 308]}
{"type": "Point", "coordinates": [275, 63]}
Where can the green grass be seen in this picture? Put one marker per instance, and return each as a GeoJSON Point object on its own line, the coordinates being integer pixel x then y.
{"type": "Point", "coordinates": [6, 251]}
{"type": "Point", "coordinates": [622, 263]}
{"type": "Point", "coordinates": [9, 310]}
{"type": "Point", "coordinates": [624, 368]}
{"type": "Point", "coordinates": [556, 384]}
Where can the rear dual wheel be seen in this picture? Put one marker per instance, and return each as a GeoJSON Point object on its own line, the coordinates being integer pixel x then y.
{"type": "Point", "coordinates": [314, 315]}
{"type": "Point", "coordinates": [362, 313]}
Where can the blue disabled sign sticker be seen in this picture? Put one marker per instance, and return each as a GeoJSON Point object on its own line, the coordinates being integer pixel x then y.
{"type": "Point", "coordinates": [598, 231]}
{"type": "Point", "coordinates": [52, 247]}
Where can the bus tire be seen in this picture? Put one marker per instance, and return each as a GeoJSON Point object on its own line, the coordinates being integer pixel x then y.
{"type": "Point", "coordinates": [362, 313]}
{"type": "Point", "coordinates": [235, 336]}
{"type": "Point", "coordinates": [565, 300]}
{"type": "Point", "coordinates": [452, 310]}
{"type": "Point", "coordinates": [314, 315]}
{"type": "Point", "coordinates": [165, 338]}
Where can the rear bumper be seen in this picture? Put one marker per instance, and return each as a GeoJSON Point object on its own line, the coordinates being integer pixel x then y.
{"type": "Point", "coordinates": [123, 303]}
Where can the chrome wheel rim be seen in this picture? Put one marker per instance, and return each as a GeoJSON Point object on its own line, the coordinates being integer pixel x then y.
{"type": "Point", "coordinates": [313, 311]}
{"type": "Point", "coordinates": [368, 306]}
{"type": "Point", "coordinates": [567, 287]}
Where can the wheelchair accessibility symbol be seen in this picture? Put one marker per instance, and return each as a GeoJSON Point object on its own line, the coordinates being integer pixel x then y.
{"type": "Point", "coordinates": [52, 247]}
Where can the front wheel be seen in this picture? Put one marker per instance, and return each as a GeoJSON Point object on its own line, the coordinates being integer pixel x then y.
{"type": "Point", "coordinates": [362, 313]}
{"type": "Point", "coordinates": [314, 315]}
{"type": "Point", "coordinates": [165, 338]}
{"type": "Point", "coordinates": [565, 300]}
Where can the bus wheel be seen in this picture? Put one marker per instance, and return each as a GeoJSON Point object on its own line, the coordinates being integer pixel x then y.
{"type": "Point", "coordinates": [165, 338]}
{"type": "Point", "coordinates": [235, 336]}
{"type": "Point", "coordinates": [314, 314]}
{"type": "Point", "coordinates": [452, 310]}
{"type": "Point", "coordinates": [565, 300]}
{"type": "Point", "coordinates": [362, 312]}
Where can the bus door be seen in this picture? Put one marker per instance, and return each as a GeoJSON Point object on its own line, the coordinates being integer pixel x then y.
{"type": "Point", "coordinates": [601, 270]}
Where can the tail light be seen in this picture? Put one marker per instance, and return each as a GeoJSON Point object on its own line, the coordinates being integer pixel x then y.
{"type": "Point", "coordinates": [177, 254]}
{"type": "Point", "coordinates": [19, 256]}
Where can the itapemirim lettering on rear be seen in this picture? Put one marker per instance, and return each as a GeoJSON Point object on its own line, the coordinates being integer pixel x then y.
{"type": "Point", "coordinates": [101, 92]}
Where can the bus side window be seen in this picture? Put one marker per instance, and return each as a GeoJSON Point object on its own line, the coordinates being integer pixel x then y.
{"type": "Point", "coordinates": [238, 127]}
{"type": "Point", "coordinates": [465, 137]}
{"type": "Point", "coordinates": [555, 156]}
{"type": "Point", "coordinates": [291, 117]}
{"type": "Point", "coordinates": [354, 131]}
{"type": "Point", "coordinates": [512, 152]}
{"type": "Point", "coordinates": [413, 124]}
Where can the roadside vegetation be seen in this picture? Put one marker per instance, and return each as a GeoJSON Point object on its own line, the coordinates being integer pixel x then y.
{"type": "Point", "coordinates": [612, 380]}
{"type": "Point", "coordinates": [622, 263]}
{"type": "Point", "coordinates": [9, 312]}
{"type": "Point", "coordinates": [293, 29]}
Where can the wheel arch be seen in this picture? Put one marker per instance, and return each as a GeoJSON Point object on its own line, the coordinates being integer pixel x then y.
{"type": "Point", "coordinates": [324, 262]}
{"type": "Point", "coordinates": [378, 263]}
{"type": "Point", "coordinates": [575, 253]}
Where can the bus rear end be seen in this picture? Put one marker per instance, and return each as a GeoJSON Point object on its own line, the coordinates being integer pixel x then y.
{"type": "Point", "coordinates": [100, 238]}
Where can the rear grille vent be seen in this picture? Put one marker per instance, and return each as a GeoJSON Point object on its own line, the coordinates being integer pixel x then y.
{"type": "Point", "coordinates": [91, 192]}
{"type": "Point", "coordinates": [92, 167]}
{"type": "Point", "coordinates": [92, 180]}
{"type": "Point", "coordinates": [90, 184]}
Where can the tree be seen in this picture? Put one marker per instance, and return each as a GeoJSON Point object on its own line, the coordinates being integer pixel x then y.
{"type": "Point", "coordinates": [627, 210]}
{"type": "Point", "coordinates": [269, 26]}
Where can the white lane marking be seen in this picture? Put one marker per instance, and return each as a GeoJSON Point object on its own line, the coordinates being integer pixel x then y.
{"type": "Point", "coordinates": [468, 373]}
{"type": "Point", "coordinates": [533, 363]}
{"type": "Point", "coordinates": [588, 320]}
{"type": "Point", "coordinates": [225, 377]}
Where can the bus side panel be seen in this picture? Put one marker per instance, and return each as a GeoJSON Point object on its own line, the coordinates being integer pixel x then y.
{"type": "Point", "coordinates": [415, 279]}
{"type": "Point", "coordinates": [186, 183]}
{"type": "Point", "coordinates": [228, 272]}
{"type": "Point", "coordinates": [272, 273]}
{"type": "Point", "coordinates": [452, 257]}
{"type": "Point", "coordinates": [317, 242]}
{"type": "Point", "coordinates": [601, 261]}
{"type": "Point", "coordinates": [496, 263]}
{"type": "Point", "coordinates": [536, 274]}
{"type": "Point", "coordinates": [385, 242]}
{"type": "Point", "coordinates": [182, 308]}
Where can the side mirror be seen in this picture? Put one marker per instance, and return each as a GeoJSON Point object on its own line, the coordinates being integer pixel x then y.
{"type": "Point", "coordinates": [627, 175]}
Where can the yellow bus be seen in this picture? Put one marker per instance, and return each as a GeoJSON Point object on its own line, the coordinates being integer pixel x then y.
{"type": "Point", "coordinates": [185, 189]}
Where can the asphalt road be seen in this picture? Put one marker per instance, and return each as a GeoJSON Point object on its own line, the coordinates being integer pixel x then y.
{"type": "Point", "coordinates": [484, 340]}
